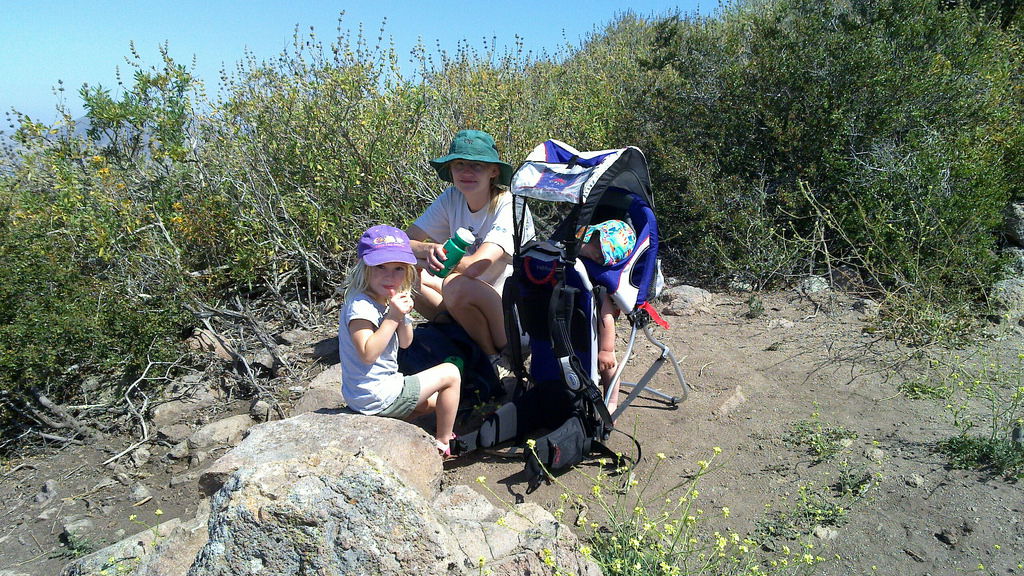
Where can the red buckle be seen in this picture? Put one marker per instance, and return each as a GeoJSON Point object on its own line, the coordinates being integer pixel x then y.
{"type": "Point", "coordinates": [646, 307]}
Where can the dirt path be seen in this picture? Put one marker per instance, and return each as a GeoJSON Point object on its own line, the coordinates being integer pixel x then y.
{"type": "Point", "coordinates": [758, 380]}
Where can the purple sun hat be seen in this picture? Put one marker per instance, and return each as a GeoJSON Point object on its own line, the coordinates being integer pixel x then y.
{"type": "Point", "coordinates": [382, 244]}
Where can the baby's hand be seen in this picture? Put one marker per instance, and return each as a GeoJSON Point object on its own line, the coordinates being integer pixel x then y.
{"type": "Point", "coordinates": [400, 304]}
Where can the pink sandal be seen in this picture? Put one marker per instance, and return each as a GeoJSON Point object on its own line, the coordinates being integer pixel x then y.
{"type": "Point", "coordinates": [444, 449]}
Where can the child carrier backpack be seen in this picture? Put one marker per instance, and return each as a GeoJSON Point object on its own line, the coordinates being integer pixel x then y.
{"type": "Point", "coordinates": [552, 296]}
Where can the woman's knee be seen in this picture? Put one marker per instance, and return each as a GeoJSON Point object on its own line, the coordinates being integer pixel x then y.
{"type": "Point", "coordinates": [456, 290]}
{"type": "Point", "coordinates": [462, 291]}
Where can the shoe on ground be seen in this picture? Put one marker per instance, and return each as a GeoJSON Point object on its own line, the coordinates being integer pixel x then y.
{"type": "Point", "coordinates": [502, 366]}
{"type": "Point", "coordinates": [508, 384]}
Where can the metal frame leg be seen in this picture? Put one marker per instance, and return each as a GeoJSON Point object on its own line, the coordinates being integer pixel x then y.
{"type": "Point", "coordinates": [641, 385]}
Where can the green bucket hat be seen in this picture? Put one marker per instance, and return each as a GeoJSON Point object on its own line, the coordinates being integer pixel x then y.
{"type": "Point", "coordinates": [474, 146]}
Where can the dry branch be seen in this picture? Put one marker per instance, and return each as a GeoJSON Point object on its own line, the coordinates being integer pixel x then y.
{"type": "Point", "coordinates": [63, 419]}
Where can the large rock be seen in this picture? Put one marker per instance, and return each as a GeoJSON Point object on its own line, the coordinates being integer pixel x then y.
{"type": "Point", "coordinates": [686, 300]}
{"type": "Point", "coordinates": [1015, 261]}
{"type": "Point", "coordinates": [404, 447]}
{"type": "Point", "coordinates": [324, 392]}
{"type": "Point", "coordinates": [332, 512]}
{"type": "Point", "coordinates": [335, 512]}
{"type": "Point", "coordinates": [1009, 296]}
{"type": "Point", "coordinates": [1015, 223]}
{"type": "Point", "coordinates": [308, 496]}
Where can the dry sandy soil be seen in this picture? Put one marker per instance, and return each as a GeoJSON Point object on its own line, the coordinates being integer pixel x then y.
{"type": "Point", "coordinates": [755, 379]}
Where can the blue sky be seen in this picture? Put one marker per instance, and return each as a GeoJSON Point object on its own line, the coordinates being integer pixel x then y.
{"type": "Point", "coordinates": [43, 41]}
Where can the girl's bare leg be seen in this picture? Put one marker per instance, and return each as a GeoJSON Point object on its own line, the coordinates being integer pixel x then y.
{"type": "Point", "coordinates": [440, 387]}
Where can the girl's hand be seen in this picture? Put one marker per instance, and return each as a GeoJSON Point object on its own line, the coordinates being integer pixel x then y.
{"type": "Point", "coordinates": [399, 305]}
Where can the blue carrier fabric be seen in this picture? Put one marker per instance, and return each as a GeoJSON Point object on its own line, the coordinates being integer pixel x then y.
{"type": "Point", "coordinates": [553, 296]}
{"type": "Point", "coordinates": [593, 187]}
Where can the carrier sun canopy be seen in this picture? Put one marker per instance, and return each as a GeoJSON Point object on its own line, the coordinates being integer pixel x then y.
{"type": "Point", "coordinates": [557, 172]}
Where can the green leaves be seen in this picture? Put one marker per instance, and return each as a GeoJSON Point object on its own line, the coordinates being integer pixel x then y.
{"type": "Point", "coordinates": [784, 137]}
{"type": "Point", "coordinates": [152, 118]}
{"type": "Point", "coordinates": [794, 135]}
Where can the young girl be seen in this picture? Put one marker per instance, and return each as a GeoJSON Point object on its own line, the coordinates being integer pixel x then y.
{"type": "Point", "coordinates": [374, 323]}
{"type": "Point", "coordinates": [607, 243]}
{"type": "Point", "coordinates": [478, 200]}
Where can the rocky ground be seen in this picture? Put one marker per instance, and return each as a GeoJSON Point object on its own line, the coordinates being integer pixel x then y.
{"type": "Point", "coordinates": [773, 377]}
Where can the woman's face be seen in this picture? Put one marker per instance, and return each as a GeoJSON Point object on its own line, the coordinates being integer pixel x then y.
{"type": "Point", "coordinates": [473, 177]}
{"type": "Point", "coordinates": [385, 280]}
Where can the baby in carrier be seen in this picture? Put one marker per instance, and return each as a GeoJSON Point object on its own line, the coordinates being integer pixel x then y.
{"type": "Point", "coordinates": [607, 243]}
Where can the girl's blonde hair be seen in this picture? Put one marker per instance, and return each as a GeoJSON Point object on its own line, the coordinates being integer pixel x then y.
{"type": "Point", "coordinates": [358, 279]}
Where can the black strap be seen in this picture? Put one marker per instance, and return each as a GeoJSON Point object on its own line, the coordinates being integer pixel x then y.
{"type": "Point", "coordinates": [561, 307]}
{"type": "Point", "coordinates": [509, 302]}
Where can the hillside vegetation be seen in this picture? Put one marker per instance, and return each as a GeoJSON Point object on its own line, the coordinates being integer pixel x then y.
{"type": "Point", "coordinates": [881, 141]}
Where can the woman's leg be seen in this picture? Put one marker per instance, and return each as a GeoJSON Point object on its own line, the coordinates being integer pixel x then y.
{"type": "Point", "coordinates": [476, 306]}
{"type": "Point", "coordinates": [439, 389]}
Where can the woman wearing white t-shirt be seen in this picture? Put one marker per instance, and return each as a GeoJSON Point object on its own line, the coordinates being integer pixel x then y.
{"type": "Point", "coordinates": [478, 200]}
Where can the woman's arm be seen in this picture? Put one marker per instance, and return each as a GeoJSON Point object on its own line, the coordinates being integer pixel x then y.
{"type": "Point", "coordinates": [429, 255]}
{"type": "Point", "coordinates": [477, 264]}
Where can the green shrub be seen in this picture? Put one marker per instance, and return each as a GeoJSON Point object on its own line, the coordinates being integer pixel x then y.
{"type": "Point", "coordinates": [92, 279]}
{"type": "Point", "coordinates": [986, 405]}
{"type": "Point", "coordinates": [66, 314]}
{"type": "Point", "coordinates": [824, 440]}
{"type": "Point", "coordinates": [792, 136]}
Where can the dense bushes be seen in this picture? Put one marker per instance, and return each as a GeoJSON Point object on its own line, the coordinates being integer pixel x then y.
{"type": "Point", "coordinates": [804, 135]}
{"type": "Point", "coordinates": [785, 137]}
{"type": "Point", "coordinates": [91, 285]}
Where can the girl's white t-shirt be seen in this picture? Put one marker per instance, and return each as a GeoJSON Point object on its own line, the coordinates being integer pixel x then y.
{"type": "Point", "coordinates": [449, 212]}
{"type": "Point", "coordinates": [367, 388]}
